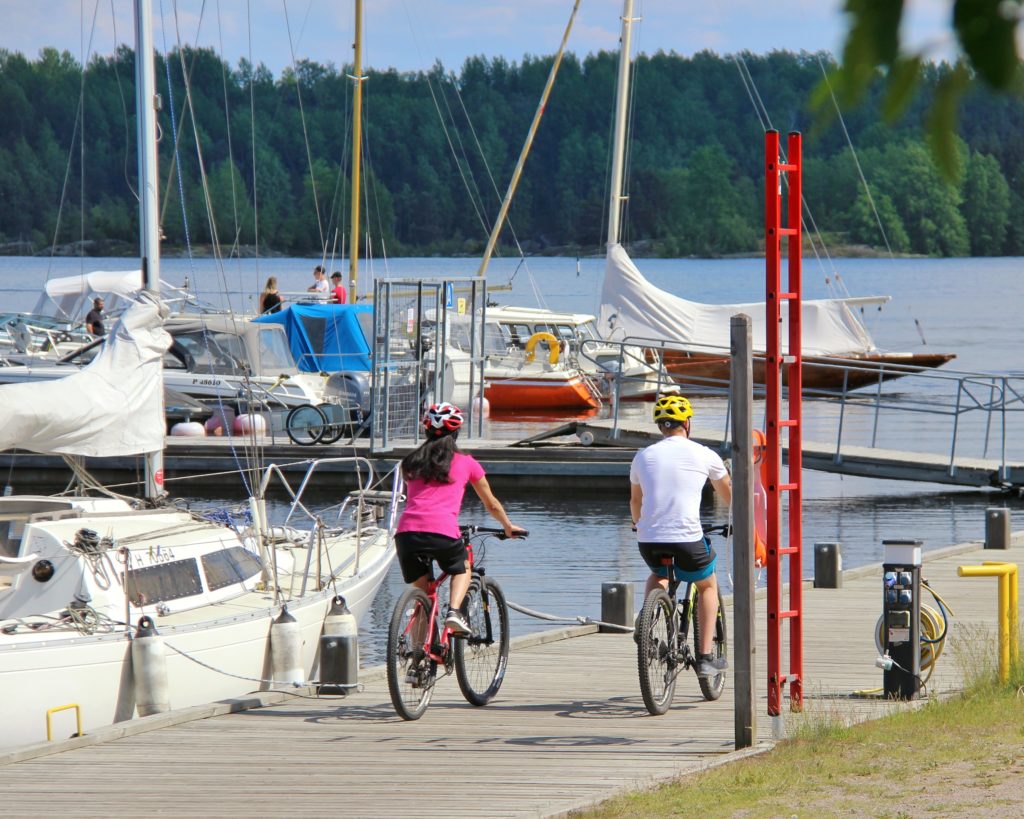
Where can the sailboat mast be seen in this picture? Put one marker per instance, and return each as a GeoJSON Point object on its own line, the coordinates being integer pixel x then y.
{"type": "Point", "coordinates": [357, 149]}
{"type": "Point", "coordinates": [621, 115]}
{"type": "Point", "coordinates": [146, 104]}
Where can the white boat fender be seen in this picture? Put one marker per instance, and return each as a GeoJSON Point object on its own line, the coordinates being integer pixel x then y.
{"type": "Point", "coordinates": [149, 669]}
{"type": "Point", "coordinates": [286, 650]}
{"type": "Point", "coordinates": [188, 429]}
{"type": "Point", "coordinates": [339, 650]}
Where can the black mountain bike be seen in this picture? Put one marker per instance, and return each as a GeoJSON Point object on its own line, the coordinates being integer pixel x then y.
{"type": "Point", "coordinates": [663, 647]}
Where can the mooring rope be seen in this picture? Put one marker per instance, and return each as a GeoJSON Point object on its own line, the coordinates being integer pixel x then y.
{"type": "Point", "coordinates": [579, 618]}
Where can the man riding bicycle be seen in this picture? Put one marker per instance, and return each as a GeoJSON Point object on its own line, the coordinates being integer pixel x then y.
{"type": "Point", "coordinates": [666, 482]}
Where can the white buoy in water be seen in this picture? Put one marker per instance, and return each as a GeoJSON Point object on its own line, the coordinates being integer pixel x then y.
{"type": "Point", "coordinates": [249, 424]}
{"type": "Point", "coordinates": [149, 668]}
{"type": "Point", "coordinates": [286, 650]}
{"type": "Point", "coordinates": [339, 650]}
{"type": "Point", "coordinates": [189, 429]}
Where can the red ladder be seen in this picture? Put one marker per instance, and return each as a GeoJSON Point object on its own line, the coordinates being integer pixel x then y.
{"type": "Point", "coordinates": [775, 297]}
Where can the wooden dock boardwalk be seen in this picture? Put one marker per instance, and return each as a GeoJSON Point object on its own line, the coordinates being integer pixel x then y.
{"type": "Point", "coordinates": [568, 728]}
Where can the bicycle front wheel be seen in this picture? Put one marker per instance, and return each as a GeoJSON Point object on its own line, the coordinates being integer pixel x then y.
{"type": "Point", "coordinates": [411, 673]}
{"type": "Point", "coordinates": [711, 687]}
{"type": "Point", "coordinates": [482, 657]}
{"type": "Point", "coordinates": [656, 653]}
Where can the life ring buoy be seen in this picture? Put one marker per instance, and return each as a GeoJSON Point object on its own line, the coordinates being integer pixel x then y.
{"type": "Point", "coordinates": [536, 339]}
{"type": "Point", "coordinates": [760, 500]}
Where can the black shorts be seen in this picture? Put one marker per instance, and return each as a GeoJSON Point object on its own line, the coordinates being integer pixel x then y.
{"type": "Point", "coordinates": [693, 561]}
{"type": "Point", "coordinates": [417, 552]}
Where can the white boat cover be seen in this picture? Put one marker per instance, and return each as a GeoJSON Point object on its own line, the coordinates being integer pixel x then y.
{"type": "Point", "coordinates": [632, 306]}
{"type": "Point", "coordinates": [113, 406]}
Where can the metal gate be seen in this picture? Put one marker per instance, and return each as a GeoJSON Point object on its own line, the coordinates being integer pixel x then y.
{"type": "Point", "coordinates": [427, 347]}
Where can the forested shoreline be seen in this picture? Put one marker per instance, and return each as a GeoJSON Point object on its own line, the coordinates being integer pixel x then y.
{"type": "Point", "coordinates": [695, 164]}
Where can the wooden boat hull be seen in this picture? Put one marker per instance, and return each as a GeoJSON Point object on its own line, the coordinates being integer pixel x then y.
{"type": "Point", "coordinates": [532, 394]}
{"type": "Point", "coordinates": [819, 372]}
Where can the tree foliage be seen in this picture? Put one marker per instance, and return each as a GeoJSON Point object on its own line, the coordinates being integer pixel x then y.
{"type": "Point", "coordinates": [439, 149]}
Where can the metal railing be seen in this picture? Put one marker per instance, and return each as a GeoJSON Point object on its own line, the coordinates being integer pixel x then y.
{"type": "Point", "coordinates": [877, 405]}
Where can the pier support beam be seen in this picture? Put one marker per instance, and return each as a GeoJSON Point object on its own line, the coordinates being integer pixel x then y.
{"type": "Point", "coordinates": [741, 386]}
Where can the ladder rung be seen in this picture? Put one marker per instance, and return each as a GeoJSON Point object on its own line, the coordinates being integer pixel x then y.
{"type": "Point", "coordinates": [789, 422]}
{"type": "Point", "coordinates": [788, 550]}
{"type": "Point", "coordinates": [787, 231]}
{"type": "Point", "coordinates": [788, 296]}
{"type": "Point", "coordinates": [788, 487]}
{"type": "Point", "coordinates": [786, 615]}
{"type": "Point", "coordinates": [787, 166]}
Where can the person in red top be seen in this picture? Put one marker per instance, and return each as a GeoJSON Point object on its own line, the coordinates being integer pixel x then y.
{"type": "Point", "coordinates": [338, 295]}
{"type": "Point", "coordinates": [436, 474]}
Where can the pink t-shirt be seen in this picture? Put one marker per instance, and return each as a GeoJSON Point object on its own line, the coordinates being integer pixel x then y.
{"type": "Point", "coordinates": [434, 507]}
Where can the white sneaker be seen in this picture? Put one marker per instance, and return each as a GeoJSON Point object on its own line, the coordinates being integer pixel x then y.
{"type": "Point", "coordinates": [711, 667]}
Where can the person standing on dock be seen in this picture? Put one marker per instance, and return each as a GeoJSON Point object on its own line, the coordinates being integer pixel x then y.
{"type": "Point", "coordinates": [666, 482]}
{"type": "Point", "coordinates": [436, 474]}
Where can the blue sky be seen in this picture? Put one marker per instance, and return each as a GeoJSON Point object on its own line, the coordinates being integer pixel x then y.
{"type": "Point", "coordinates": [412, 34]}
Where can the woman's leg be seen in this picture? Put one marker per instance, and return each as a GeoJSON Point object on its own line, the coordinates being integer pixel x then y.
{"type": "Point", "coordinates": [460, 585]}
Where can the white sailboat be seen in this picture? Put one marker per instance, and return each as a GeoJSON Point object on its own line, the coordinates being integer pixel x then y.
{"type": "Point", "coordinates": [119, 609]}
{"type": "Point", "coordinates": [699, 333]}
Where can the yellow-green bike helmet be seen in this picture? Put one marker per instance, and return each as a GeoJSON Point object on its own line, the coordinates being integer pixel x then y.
{"type": "Point", "coordinates": [672, 408]}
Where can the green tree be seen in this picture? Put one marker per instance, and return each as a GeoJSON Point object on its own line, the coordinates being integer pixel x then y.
{"type": "Point", "coordinates": [986, 205]}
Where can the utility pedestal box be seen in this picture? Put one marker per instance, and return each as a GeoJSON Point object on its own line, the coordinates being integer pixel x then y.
{"type": "Point", "coordinates": [901, 614]}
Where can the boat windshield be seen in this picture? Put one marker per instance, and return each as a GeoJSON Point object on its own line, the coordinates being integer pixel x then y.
{"type": "Point", "coordinates": [213, 352]}
{"type": "Point", "coordinates": [275, 354]}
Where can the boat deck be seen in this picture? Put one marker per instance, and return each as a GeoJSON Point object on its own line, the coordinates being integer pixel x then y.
{"type": "Point", "coordinates": [568, 728]}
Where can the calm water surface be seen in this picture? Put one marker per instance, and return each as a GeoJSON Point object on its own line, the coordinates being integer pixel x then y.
{"type": "Point", "coordinates": [580, 538]}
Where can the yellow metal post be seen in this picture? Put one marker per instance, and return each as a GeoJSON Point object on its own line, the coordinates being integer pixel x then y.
{"type": "Point", "coordinates": [49, 718]}
{"type": "Point", "coordinates": [1009, 631]}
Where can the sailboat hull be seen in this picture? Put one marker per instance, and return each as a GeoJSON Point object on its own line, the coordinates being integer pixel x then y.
{"type": "Point", "coordinates": [95, 672]}
{"type": "Point", "coordinates": [831, 373]}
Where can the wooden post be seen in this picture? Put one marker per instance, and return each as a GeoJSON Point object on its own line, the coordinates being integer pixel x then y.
{"type": "Point", "coordinates": [741, 387]}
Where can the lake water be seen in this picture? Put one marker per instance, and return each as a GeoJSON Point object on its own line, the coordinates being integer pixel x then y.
{"type": "Point", "coordinates": [581, 538]}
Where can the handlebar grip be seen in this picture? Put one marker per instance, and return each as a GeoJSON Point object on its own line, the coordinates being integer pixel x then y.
{"type": "Point", "coordinates": [516, 536]}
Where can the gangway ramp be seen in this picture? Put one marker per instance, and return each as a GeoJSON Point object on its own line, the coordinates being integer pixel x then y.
{"type": "Point", "coordinates": [847, 459]}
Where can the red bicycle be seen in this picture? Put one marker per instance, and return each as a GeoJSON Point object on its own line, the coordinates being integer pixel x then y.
{"type": "Point", "coordinates": [418, 641]}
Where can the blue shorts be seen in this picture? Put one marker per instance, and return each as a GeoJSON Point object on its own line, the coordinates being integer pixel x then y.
{"type": "Point", "coordinates": [693, 561]}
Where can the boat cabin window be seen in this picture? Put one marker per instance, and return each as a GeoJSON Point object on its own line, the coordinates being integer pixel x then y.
{"type": "Point", "coordinates": [275, 354]}
{"type": "Point", "coordinates": [214, 353]}
{"type": "Point", "coordinates": [497, 339]}
{"type": "Point", "coordinates": [520, 333]}
{"type": "Point", "coordinates": [228, 566]}
{"type": "Point", "coordinates": [167, 581]}
{"type": "Point", "coordinates": [587, 330]}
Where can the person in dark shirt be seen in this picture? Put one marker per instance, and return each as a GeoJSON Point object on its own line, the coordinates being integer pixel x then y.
{"type": "Point", "coordinates": [94, 319]}
{"type": "Point", "coordinates": [270, 299]}
{"type": "Point", "coordinates": [338, 295]}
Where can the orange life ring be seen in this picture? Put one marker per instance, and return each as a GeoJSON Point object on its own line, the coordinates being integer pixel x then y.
{"type": "Point", "coordinates": [536, 339]}
{"type": "Point", "coordinates": [760, 500]}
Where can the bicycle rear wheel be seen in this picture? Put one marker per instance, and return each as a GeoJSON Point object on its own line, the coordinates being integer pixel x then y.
{"type": "Point", "coordinates": [711, 687]}
{"type": "Point", "coordinates": [305, 425]}
{"type": "Point", "coordinates": [411, 674]}
{"type": "Point", "coordinates": [482, 657]}
{"type": "Point", "coordinates": [655, 657]}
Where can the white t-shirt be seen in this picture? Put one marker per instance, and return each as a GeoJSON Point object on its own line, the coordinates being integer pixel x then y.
{"type": "Point", "coordinates": [321, 289]}
{"type": "Point", "coordinates": [672, 474]}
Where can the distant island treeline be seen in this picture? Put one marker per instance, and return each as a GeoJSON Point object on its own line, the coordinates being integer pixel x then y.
{"type": "Point", "coordinates": [695, 164]}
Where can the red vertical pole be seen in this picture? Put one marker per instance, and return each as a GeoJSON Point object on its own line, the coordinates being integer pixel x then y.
{"type": "Point", "coordinates": [773, 389]}
{"type": "Point", "coordinates": [795, 373]}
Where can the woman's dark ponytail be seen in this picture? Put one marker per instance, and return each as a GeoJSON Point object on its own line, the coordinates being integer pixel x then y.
{"type": "Point", "coordinates": [432, 460]}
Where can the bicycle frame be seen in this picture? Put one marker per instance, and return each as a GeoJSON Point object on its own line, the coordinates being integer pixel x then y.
{"type": "Point", "coordinates": [438, 649]}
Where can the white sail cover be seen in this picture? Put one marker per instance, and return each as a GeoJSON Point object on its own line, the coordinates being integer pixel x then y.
{"type": "Point", "coordinates": [114, 406]}
{"type": "Point", "coordinates": [632, 306]}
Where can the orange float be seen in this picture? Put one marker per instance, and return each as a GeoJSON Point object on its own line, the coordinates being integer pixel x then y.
{"type": "Point", "coordinates": [760, 500]}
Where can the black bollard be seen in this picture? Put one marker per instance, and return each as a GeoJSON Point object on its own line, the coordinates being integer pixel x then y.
{"type": "Point", "coordinates": [616, 606]}
{"type": "Point", "coordinates": [828, 566]}
{"type": "Point", "coordinates": [997, 527]}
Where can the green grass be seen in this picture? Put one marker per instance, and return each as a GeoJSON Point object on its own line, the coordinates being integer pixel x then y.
{"type": "Point", "coordinates": [943, 758]}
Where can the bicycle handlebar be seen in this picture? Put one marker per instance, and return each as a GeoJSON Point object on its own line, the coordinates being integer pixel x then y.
{"type": "Point", "coordinates": [469, 531]}
{"type": "Point", "coordinates": [723, 529]}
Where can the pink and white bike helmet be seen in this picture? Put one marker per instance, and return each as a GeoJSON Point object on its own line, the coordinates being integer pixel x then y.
{"type": "Point", "coordinates": [442, 419]}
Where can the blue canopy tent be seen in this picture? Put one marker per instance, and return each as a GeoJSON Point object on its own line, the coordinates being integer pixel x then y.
{"type": "Point", "coordinates": [327, 337]}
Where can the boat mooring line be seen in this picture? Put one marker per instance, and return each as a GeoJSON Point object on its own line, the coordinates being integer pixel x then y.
{"type": "Point", "coordinates": [579, 618]}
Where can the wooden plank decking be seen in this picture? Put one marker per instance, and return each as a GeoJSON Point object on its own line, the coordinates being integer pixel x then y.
{"type": "Point", "coordinates": [568, 729]}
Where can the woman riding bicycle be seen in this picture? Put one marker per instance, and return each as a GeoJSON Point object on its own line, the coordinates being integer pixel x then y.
{"type": "Point", "coordinates": [436, 475]}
